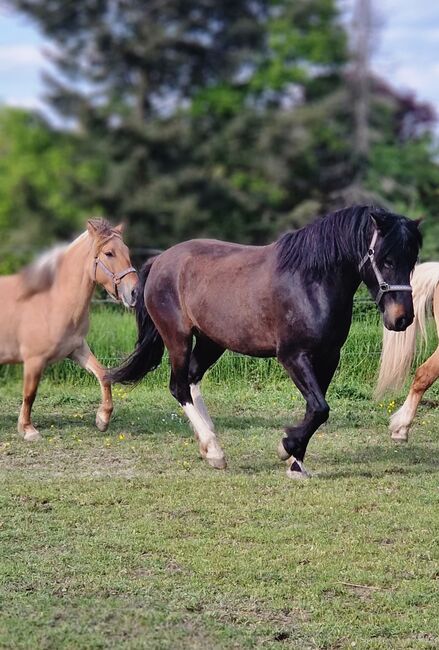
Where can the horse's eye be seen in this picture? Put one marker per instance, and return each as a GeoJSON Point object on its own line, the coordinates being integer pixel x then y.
{"type": "Point", "coordinates": [388, 264]}
{"type": "Point", "coordinates": [109, 254]}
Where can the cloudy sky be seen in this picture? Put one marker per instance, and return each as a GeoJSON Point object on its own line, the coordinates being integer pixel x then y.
{"type": "Point", "coordinates": [406, 51]}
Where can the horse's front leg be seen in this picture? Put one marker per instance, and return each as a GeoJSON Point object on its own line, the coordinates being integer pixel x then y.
{"type": "Point", "coordinates": [33, 369]}
{"type": "Point", "coordinates": [87, 360]}
{"type": "Point", "coordinates": [312, 379]}
{"type": "Point", "coordinates": [425, 376]}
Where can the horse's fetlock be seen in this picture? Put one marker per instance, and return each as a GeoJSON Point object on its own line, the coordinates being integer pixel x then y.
{"type": "Point", "coordinates": [322, 413]}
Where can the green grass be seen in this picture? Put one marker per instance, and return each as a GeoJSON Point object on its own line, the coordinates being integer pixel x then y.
{"type": "Point", "coordinates": [113, 334]}
{"type": "Point", "coordinates": [129, 540]}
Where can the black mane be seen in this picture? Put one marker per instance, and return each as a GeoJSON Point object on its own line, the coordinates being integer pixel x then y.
{"type": "Point", "coordinates": [340, 237]}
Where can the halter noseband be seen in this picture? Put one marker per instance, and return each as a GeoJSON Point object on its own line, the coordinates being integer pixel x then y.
{"type": "Point", "coordinates": [384, 287]}
{"type": "Point", "coordinates": [116, 277]}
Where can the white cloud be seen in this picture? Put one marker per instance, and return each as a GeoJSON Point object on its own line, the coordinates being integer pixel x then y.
{"type": "Point", "coordinates": [29, 102]}
{"type": "Point", "coordinates": [19, 56]}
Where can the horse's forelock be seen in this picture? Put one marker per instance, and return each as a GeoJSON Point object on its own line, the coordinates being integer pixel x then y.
{"type": "Point", "coordinates": [403, 236]}
{"type": "Point", "coordinates": [103, 231]}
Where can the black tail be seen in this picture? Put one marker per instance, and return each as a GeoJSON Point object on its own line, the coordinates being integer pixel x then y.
{"type": "Point", "coordinates": [149, 347]}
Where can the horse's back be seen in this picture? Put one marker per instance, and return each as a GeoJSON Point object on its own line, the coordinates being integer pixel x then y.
{"type": "Point", "coordinates": [221, 289]}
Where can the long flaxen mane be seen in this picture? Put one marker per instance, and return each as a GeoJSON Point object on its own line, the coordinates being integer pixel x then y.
{"type": "Point", "coordinates": [40, 275]}
{"type": "Point", "coordinates": [342, 236]}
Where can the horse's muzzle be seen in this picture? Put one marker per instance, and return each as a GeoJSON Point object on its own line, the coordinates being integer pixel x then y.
{"type": "Point", "coordinates": [127, 291]}
{"type": "Point", "coordinates": [398, 320]}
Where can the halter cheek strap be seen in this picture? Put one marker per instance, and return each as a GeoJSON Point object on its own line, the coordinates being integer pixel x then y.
{"type": "Point", "coordinates": [116, 277]}
{"type": "Point", "coordinates": [384, 287]}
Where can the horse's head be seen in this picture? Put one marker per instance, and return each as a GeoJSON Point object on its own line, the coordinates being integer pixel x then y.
{"type": "Point", "coordinates": [112, 267]}
{"type": "Point", "coordinates": [387, 266]}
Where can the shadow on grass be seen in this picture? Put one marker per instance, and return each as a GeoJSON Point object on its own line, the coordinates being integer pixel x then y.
{"type": "Point", "coordinates": [378, 461]}
{"type": "Point", "coordinates": [8, 423]}
{"type": "Point", "coordinates": [349, 456]}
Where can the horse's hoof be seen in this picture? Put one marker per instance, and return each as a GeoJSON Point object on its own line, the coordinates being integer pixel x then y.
{"type": "Point", "coordinates": [32, 436]}
{"type": "Point", "coordinates": [281, 451]}
{"type": "Point", "coordinates": [101, 424]}
{"type": "Point", "coordinates": [297, 471]}
{"type": "Point", "coordinates": [399, 437]}
{"type": "Point", "coordinates": [218, 462]}
{"type": "Point", "coordinates": [28, 432]}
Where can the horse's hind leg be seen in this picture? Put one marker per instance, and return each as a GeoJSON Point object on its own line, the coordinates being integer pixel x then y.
{"type": "Point", "coordinates": [425, 376]}
{"type": "Point", "coordinates": [33, 369]}
{"type": "Point", "coordinates": [87, 360]}
{"type": "Point", "coordinates": [180, 354]}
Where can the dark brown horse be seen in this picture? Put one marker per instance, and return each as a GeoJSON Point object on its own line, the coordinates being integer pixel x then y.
{"type": "Point", "coordinates": [291, 299]}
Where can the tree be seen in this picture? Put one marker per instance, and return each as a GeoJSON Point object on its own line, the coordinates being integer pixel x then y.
{"type": "Point", "coordinates": [232, 119]}
{"type": "Point", "coordinates": [39, 176]}
{"type": "Point", "coordinates": [183, 100]}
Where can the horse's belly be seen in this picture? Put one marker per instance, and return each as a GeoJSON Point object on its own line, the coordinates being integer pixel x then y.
{"type": "Point", "coordinates": [254, 339]}
{"type": "Point", "coordinates": [9, 356]}
{"type": "Point", "coordinates": [9, 346]}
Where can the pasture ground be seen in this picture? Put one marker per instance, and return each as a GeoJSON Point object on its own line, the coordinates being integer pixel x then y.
{"type": "Point", "coordinates": [128, 540]}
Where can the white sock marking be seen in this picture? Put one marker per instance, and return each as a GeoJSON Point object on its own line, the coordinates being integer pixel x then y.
{"type": "Point", "coordinates": [206, 435]}
{"type": "Point", "coordinates": [200, 405]}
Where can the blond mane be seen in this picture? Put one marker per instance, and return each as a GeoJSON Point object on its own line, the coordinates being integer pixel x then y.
{"type": "Point", "coordinates": [40, 274]}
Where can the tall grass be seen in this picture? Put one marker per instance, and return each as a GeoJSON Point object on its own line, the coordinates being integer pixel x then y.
{"type": "Point", "coordinates": [113, 334]}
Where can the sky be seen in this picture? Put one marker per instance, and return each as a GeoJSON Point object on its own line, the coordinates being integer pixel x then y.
{"type": "Point", "coordinates": [405, 51]}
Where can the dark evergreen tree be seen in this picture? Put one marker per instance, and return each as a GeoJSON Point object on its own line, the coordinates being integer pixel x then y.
{"type": "Point", "coordinates": [232, 119]}
{"type": "Point", "coordinates": [190, 105]}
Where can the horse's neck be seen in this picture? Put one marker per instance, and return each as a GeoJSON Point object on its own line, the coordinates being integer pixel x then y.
{"type": "Point", "coordinates": [74, 286]}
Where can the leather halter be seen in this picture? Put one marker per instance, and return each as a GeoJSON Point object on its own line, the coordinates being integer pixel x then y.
{"type": "Point", "coordinates": [116, 277]}
{"type": "Point", "coordinates": [384, 287]}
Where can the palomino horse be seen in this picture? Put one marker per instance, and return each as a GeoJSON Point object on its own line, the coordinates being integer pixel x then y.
{"type": "Point", "coordinates": [291, 299]}
{"type": "Point", "coordinates": [44, 315]}
{"type": "Point", "coordinates": [399, 350]}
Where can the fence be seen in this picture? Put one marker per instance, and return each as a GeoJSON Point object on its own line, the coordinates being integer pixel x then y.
{"type": "Point", "coordinates": [113, 334]}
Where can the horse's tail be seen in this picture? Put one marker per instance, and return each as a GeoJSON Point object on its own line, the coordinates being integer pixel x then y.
{"type": "Point", "coordinates": [399, 347]}
{"type": "Point", "coordinates": [149, 349]}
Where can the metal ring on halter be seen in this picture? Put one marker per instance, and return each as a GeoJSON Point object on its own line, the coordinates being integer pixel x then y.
{"type": "Point", "coordinates": [384, 287]}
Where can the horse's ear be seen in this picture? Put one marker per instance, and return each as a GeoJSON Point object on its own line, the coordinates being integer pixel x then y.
{"type": "Point", "coordinates": [120, 228]}
{"type": "Point", "coordinates": [419, 222]}
{"type": "Point", "coordinates": [380, 221]}
{"type": "Point", "coordinates": [92, 227]}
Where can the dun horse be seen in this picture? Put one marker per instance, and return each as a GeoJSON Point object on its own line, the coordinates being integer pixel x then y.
{"type": "Point", "coordinates": [291, 299]}
{"type": "Point", "coordinates": [44, 313]}
{"type": "Point", "coordinates": [399, 350]}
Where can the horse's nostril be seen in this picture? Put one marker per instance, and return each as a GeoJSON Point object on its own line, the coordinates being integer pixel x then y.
{"type": "Point", "coordinates": [401, 323]}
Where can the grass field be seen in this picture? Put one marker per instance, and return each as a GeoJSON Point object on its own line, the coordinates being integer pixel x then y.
{"type": "Point", "coordinates": [128, 540]}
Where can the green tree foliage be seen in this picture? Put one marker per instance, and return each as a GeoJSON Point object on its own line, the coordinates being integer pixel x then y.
{"type": "Point", "coordinates": [190, 105]}
{"type": "Point", "coordinates": [38, 178]}
{"type": "Point", "coordinates": [230, 119]}
{"type": "Point", "coordinates": [403, 170]}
